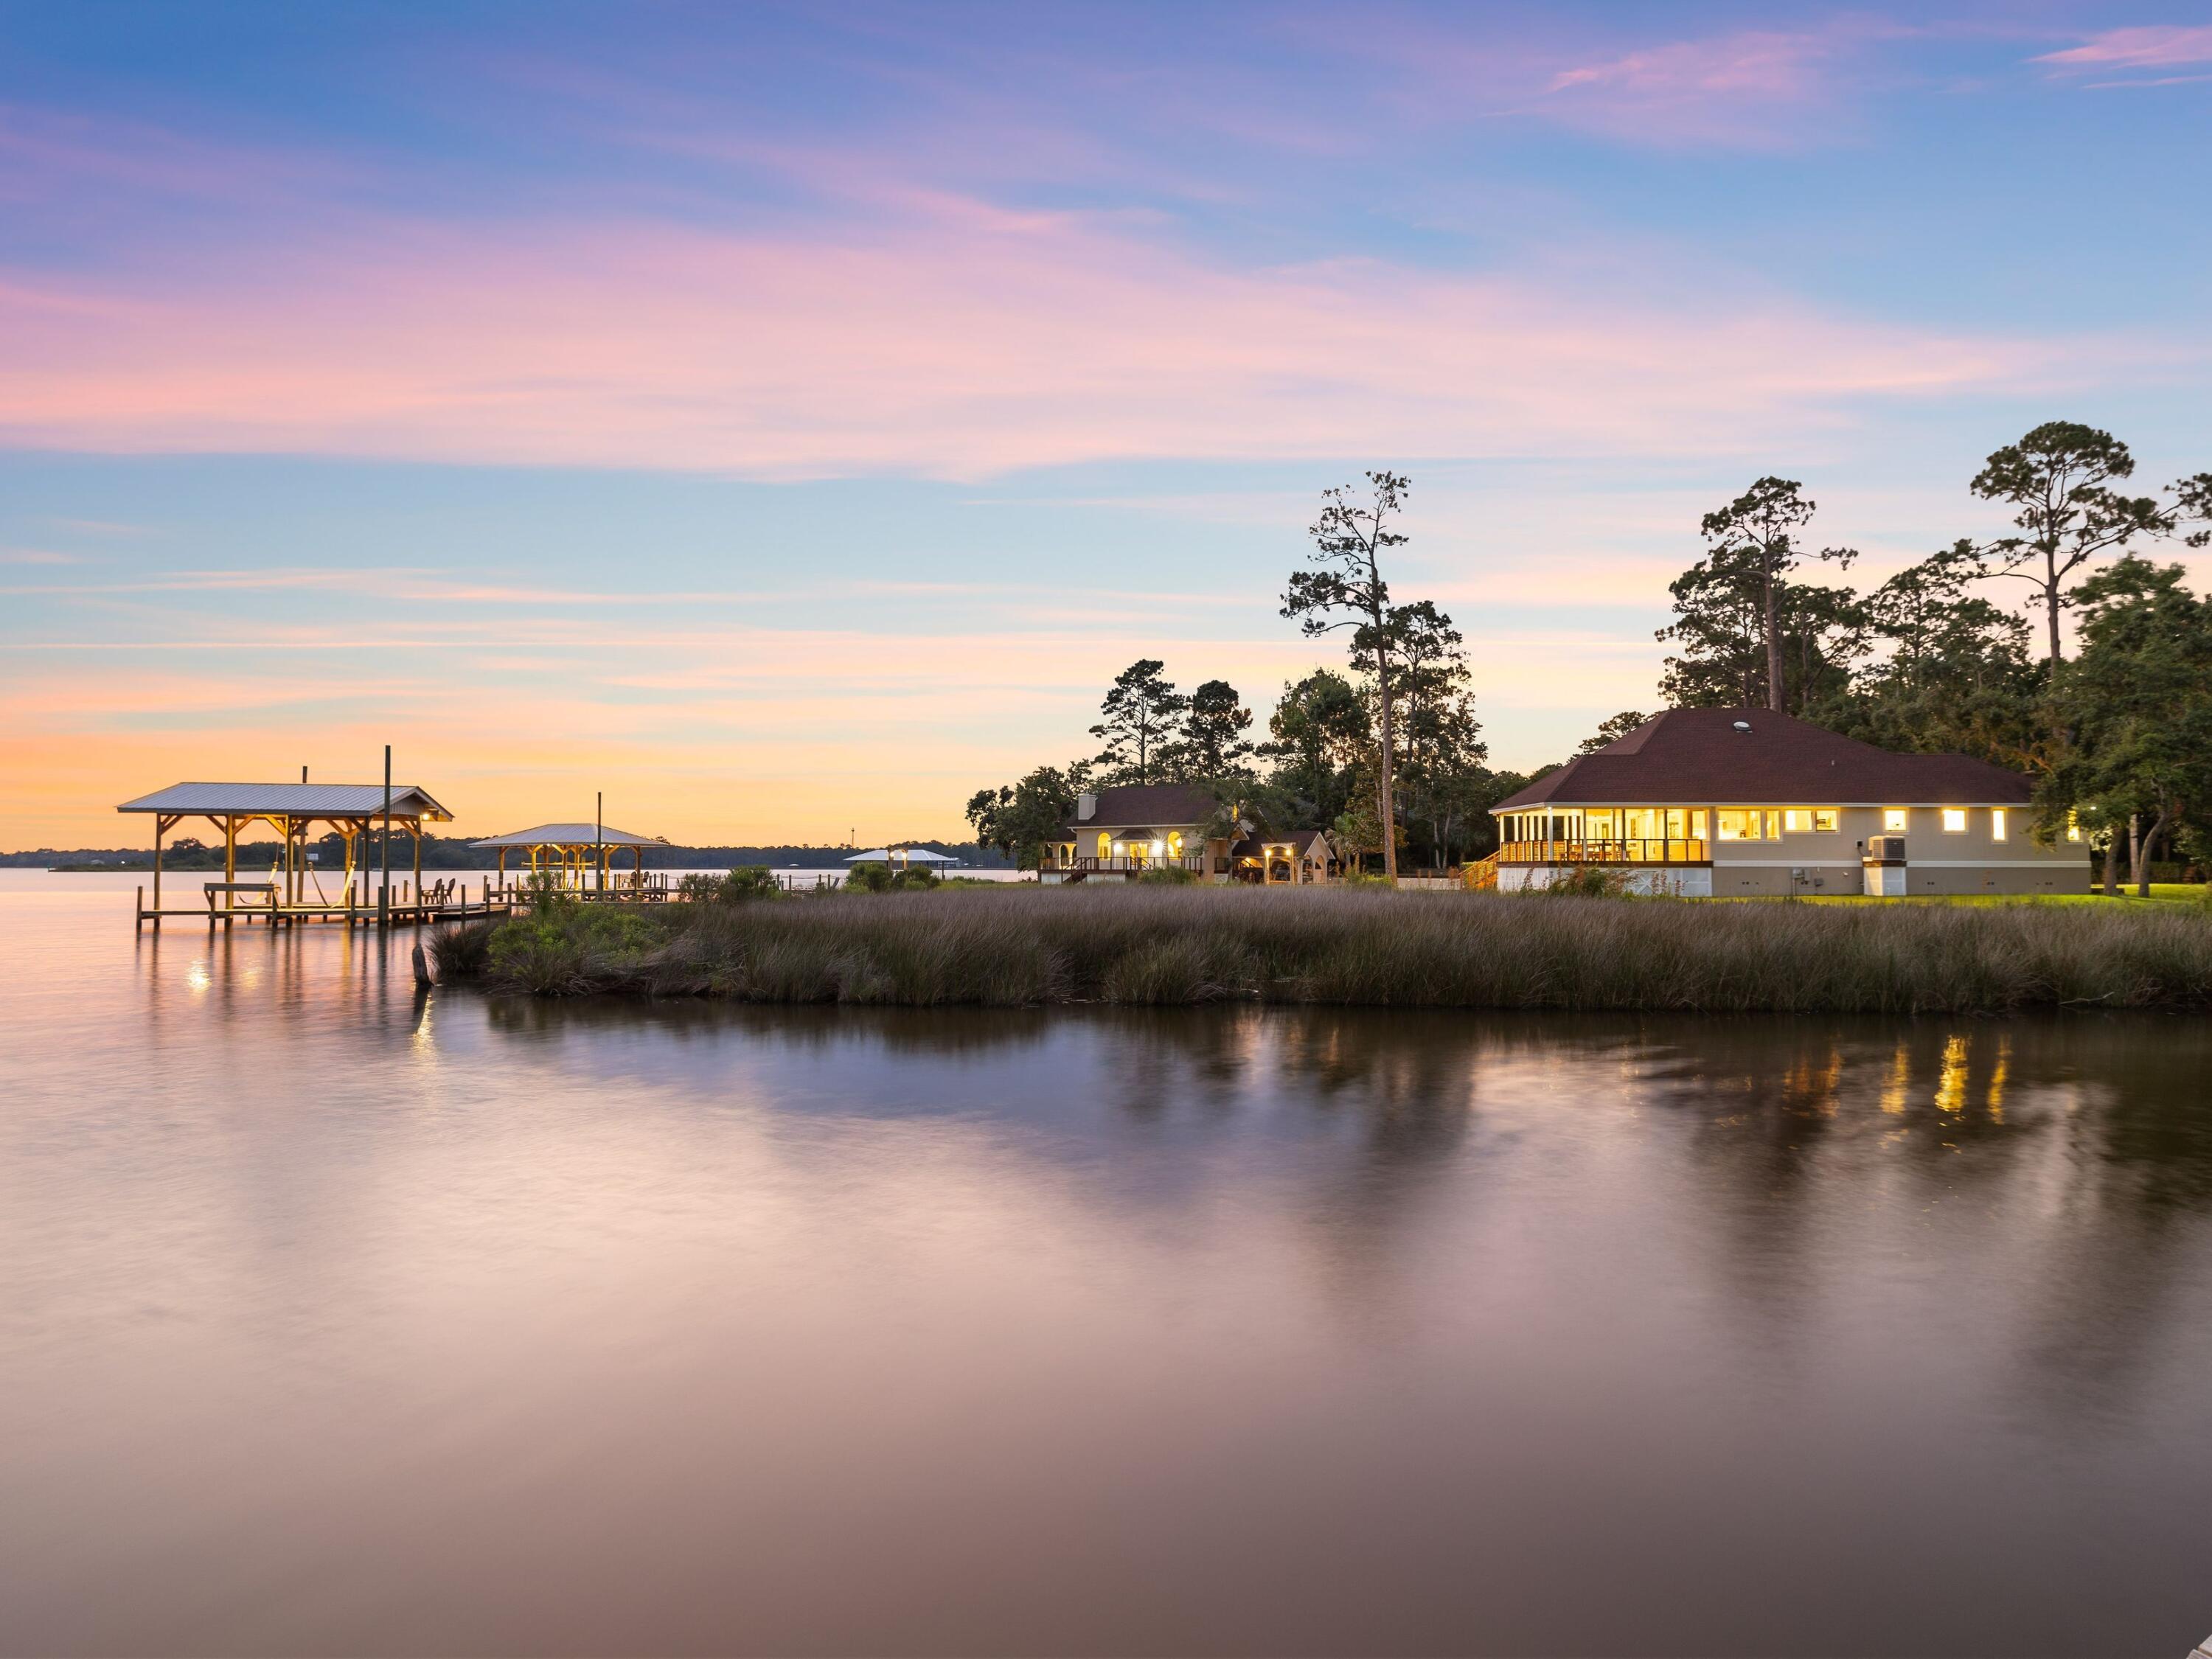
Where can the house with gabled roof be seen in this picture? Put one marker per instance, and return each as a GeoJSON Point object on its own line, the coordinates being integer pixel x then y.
{"type": "Point", "coordinates": [1123, 831]}
{"type": "Point", "coordinates": [1745, 802]}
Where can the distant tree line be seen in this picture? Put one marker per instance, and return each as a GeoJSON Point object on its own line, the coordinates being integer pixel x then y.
{"type": "Point", "coordinates": [454, 852]}
{"type": "Point", "coordinates": [2118, 736]}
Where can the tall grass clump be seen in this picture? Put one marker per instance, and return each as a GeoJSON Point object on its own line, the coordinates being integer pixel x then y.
{"type": "Point", "coordinates": [1172, 946]}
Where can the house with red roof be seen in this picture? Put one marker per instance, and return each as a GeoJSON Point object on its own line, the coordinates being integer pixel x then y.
{"type": "Point", "coordinates": [1744, 802]}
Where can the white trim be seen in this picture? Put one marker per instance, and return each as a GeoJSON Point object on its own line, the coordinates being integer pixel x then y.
{"type": "Point", "coordinates": [1912, 863]}
{"type": "Point", "coordinates": [1777, 801]}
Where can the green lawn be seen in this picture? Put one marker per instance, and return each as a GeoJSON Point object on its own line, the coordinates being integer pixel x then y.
{"type": "Point", "coordinates": [2161, 893]}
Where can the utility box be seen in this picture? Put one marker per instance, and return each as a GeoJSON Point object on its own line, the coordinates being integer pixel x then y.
{"type": "Point", "coordinates": [1883, 861]}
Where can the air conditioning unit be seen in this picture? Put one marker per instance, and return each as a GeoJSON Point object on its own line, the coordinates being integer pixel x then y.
{"type": "Point", "coordinates": [1884, 866]}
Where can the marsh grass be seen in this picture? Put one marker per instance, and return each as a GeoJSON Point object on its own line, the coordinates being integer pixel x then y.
{"type": "Point", "coordinates": [1167, 946]}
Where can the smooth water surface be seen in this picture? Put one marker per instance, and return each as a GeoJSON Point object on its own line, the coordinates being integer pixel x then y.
{"type": "Point", "coordinates": [334, 1317]}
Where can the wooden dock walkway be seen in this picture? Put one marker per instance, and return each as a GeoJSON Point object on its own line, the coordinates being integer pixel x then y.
{"type": "Point", "coordinates": [409, 906]}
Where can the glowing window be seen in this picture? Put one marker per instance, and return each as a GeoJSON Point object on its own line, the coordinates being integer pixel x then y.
{"type": "Point", "coordinates": [1698, 824]}
{"type": "Point", "coordinates": [1797, 821]}
{"type": "Point", "coordinates": [1106, 848]}
{"type": "Point", "coordinates": [1954, 820]}
{"type": "Point", "coordinates": [1997, 824]}
{"type": "Point", "coordinates": [2073, 828]}
{"type": "Point", "coordinates": [1773, 831]}
{"type": "Point", "coordinates": [1894, 818]}
{"type": "Point", "coordinates": [1824, 820]}
{"type": "Point", "coordinates": [1737, 826]}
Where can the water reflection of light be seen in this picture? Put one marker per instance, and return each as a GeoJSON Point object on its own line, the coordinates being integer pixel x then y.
{"type": "Point", "coordinates": [1997, 1078]}
{"type": "Point", "coordinates": [419, 1039]}
{"type": "Point", "coordinates": [1951, 1084]}
{"type": "Point", "coordinates": [1892, 1089]}
{"type": "Point", "coordinates": [196, 977]}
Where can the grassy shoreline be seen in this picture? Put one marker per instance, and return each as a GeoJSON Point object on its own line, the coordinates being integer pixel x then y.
{"type": "Point", "coordinates": [1175, 946]}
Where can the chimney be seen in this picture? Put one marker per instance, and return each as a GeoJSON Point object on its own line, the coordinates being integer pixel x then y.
{"type": "Point", "coordinates": [1086, 805]}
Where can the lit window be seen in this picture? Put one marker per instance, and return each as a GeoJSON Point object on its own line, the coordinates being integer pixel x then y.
{"type": "Point", "coordinates": [1737, 826]}
{"type": "Point", "coordinates": [1698, 824]}
{"type": "Point", "coordinates": [1106, 848]}
{"type": "Point", "coordinates": [1773, 826]}
{"type": "Point", "coordinates": [2073, 828]}
{"type": "Point", "coordinates": [1954, 820]}
{"type": "Point", "coordinates": [1798, 820]}
{"type": "Point", "coordinates": [1894, 817]}
{"type": "Point", "coordinates": [1824, 820]}
{"type": "Point", "coordinates": [1159, 847]}
{"type": "Point", "coordinates": [1997, 824]}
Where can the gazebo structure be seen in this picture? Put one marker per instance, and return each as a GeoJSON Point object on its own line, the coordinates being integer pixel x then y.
{"type": "Point", "coordinates": [291, 810]}
{"type": "Point", "coordinates": [901, 857]}
{"type": "Point", "coordinates": [575, 856]}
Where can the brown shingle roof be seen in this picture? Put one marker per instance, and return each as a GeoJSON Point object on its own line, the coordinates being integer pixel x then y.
{"type": "Point", "coordinates": [1146, 806]}
{"type": "Point", "coordinates": [1698, 755]}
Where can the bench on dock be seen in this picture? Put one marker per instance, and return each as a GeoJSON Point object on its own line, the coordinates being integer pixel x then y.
{"type": "Point", "coordinates": [263, 891]}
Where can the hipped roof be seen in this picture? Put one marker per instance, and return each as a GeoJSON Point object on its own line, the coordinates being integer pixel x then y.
{"type": "Point", "coordinates": [572, 835]}
{"type": "Point", "coordinates": [1146, 805]}
{"type": "Point", "coordinates": [1698, 755]}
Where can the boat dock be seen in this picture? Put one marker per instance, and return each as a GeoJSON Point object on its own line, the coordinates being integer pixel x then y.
{"type": "Point", "coordinates": [228, 903]}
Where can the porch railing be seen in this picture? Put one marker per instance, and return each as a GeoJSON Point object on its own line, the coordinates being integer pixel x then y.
{"type": "Point", "coordinates": [1632, 851]}
{"type": "Point", "coordinates": [1194, 862]}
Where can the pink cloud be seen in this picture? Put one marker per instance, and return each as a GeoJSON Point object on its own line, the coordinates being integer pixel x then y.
{"type": "Point", "coordinates": [957, 342]}
{"type": "Point", "coordinates": [1731, 89]}
{"type": "Point", "coordinates": [2158, 46]}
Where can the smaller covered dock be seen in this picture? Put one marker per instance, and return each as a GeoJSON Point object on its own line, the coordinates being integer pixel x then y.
{"type": "Point", "coordinates": [576, 858]}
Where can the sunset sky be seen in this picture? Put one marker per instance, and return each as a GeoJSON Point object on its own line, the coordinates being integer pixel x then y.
{"type": "Point", "coordinates": [787, 419]}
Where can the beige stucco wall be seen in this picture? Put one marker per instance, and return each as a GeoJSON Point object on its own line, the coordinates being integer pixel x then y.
{"type": "Point", "coordinates": [1936, 860]}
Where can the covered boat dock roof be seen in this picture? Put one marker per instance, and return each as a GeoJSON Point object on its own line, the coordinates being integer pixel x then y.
{"type": "Point", "coordinates": [339, 802]}
{"type": "Point", "coordinates": [571, 835]}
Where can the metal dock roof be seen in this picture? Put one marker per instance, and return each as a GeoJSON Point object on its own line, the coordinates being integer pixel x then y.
{"type": "Point", "coordinates": [298, 800]}
{"type": "Point", "coordinates": [572, 835]}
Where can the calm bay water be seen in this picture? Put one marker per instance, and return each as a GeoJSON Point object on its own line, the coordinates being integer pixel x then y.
{"type": "Point", "coordinates": [334, 1317]}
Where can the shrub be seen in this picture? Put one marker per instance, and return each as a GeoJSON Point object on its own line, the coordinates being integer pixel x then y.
{"type": "Point", "coordinates": [463, 949]}
{"type": "Point", "coordinates": [747, 881]}
{"type": "Point", "coordinates": [869, 879]}
{"type": "Point", "coordinates": [559, 950]}
{"type": "Point", "coordinates": [1589, 881]}
{"type": "Point", "coordinates": [1171, 876]}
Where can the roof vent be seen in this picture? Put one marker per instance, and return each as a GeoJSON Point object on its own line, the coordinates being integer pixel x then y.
{"type": "Point", "coordinates": [1743, 725]}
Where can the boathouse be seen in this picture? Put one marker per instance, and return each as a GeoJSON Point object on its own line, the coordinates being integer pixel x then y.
{"type": "Point", "coordinates": [576, 857]}
{"type": "Point", "coordinates": [291, 810]}
{"type": "Point", "coordinates": [1745, 802]}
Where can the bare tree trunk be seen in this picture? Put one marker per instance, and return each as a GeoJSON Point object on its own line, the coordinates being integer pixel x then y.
{"type": "Point", "coordinates": [1773, 649]}
{"type": "Point", "coordinates": [2143, 849]}
{"type": "Point", "coordinates": [2051, 602]}
{"type": "Point", "coordinates": [1389, 802]}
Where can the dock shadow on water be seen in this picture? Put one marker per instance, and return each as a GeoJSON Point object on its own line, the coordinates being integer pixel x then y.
{"type": "Point", "coordinates": [334, 1316]}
